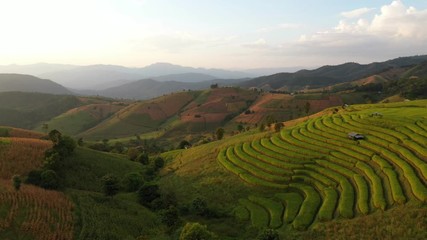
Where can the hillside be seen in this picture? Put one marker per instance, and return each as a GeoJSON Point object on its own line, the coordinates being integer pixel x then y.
{"type": "Point", "coordinates": [29, 110]}
{"type": "Point", "coordinates": [140, 117]}
{"type": "Point", "coordinates": [335, 177]}
{"type": "Point", "coordinates": [329, 75]}
{"type": "Point", "coordinates": [148, 88]}
{"type": "Point", "coordinates": [27, 83]}
{"type": "Point", "coordinates": [81, 211]}
{"type": "Point", "coordinates": [82, 118]}
{"type": "Point", "coordinates": [312, 175]}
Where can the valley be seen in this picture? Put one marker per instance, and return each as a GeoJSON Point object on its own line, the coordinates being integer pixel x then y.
{"type": "Point", "coordinates": [236, 158]}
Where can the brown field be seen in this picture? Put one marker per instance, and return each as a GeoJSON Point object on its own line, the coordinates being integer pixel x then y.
{"type": "Point", "coordinates": [159, 108]}
{"type": "Point", "coordinates": [35, 212]}
{"type": "Point", "coordinates": [220, 103]}
{"type": "Point", "coordinates": [97, 111]}
{"type": "Point", "coordinates": [23, 133]}
{"type": "Point", "coordinates": [21, 155]}
{"type": "Point", "coordinates": [260, 110]}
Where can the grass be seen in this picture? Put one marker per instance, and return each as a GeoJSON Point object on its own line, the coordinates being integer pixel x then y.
{"type": "Point", "coordinates": [349, 175]}
{"type": "Point", "coordinates": [274, 208]}
{"type": "Point", "coordinates": [293, 202]}
{"type": "Point", "coordinates": [308, 208]}
{"type": "Point", "coordinates": [84, 169]}
{"type": "Point", "coordinates": [259, 215]}
{"type": "Point", "coordinates": [120, 217]}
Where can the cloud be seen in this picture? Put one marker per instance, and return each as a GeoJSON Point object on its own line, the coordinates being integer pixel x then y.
{"type": "Point", "coordinates": [395, 30]}
{"type": "Point", "coordinates": [258, 44]}
{"type": "Point", "coordinates": [357, 12]}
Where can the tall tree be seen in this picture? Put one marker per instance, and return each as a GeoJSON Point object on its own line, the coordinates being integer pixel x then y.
{"type": "Point", "coordinates": [219, 133]}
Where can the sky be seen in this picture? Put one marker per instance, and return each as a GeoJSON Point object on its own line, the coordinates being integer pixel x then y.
{"type": "Point", "coordinates": [229, 34]}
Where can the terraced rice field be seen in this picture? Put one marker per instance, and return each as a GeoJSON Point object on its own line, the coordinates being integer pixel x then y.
{"type": "Point", "coordinates": [320, 174]}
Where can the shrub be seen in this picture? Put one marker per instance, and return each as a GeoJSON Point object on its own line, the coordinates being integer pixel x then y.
{"type": "Point", "coordinates": [52, 159]}
{"type": "Point", "coordinates": [148, 193]}
{"type": "Point", "coordinates": [196, 231]}
{"type": "Point", "coordinates": [143, 158]}
{"type": "Point", "coordinates": [131, 182]}
{"type": "Point", "coordinates": [170, 216]}
{"type": "Point", "coordinates": [184, 144]}
{"type": "Point", "coordinates": [34, 177]}
{"type": "Point", "coordinates": [159, 162]}
{"type": "Point", "coordinates": [132, 153]}
{"type": "Point", "coordinates": [16, 180]}
{"type": "Point", "coordinates": [268, 234]}
{"type": "Point", "coordinates": [110, 185]}
{"type": "Point", "coordinates": [49, 179]}
{"type": "Point", "coordinates": [199, 206]}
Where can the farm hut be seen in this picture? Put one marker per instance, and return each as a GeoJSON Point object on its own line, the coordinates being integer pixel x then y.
{"type": "Point", "coordinates": [355, 136]}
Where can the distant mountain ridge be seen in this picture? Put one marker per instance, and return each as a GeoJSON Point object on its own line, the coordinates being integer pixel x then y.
{"type": "Point", "coordinates": [329, 75]}
{"type": "Point", "coordinates": [93, 77]}
{"type": "Point", "coordinates": [27, 83]}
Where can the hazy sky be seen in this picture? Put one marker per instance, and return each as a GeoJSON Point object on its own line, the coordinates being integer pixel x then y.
{"type": "Point", "coordinates": [211, 33]}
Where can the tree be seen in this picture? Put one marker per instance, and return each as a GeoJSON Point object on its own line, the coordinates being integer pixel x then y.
{"type": "Point", "coordinates": [219, 133]}
{"type": "Point", "coordinates": [170, 216]}
{"type": "Point", "coordinates": [307, 107]}
{"type": "Point", "coordinates": [240, 128]}
{"type": "Point", "coordinates": [49, 179]}
{"type": "Point", "coordinates": [196, 231]}
{"type": "Point", "coordinates": [268, 234]}
{"type": "Point", "coordinates": [34, 177]}
{"type": "Point", "coordinates": [199, 206]}
{"type": "Point", "coordinates": [131, 182]}
{"type": "Point", "coordinates": [143, 158]}
{"type": "Point", "coordinates": [132, 153]}
{"type": "Point", "coordinates": [148, 193]}
{"type": "Point", "coordinates": [51, 160]}
{"type": "Point", "coordinates": [55, 136]}
{"type": "Point", "coordinates": [119, 147]}
{"type": "Point", "coordinates": [110, 185]}
{"type": "Point", "coordinates": [159, 163]}
{"type": "Point", "coordinates": [261, 127]}
{"type": "Point", "coordinates": [16, 180]}
{"type": "Point", "coordinates": [184, 144]}
{"type": "Point", "coordinates": [278, 126]}
{"type": "Point", "coordinates": [80, 142]}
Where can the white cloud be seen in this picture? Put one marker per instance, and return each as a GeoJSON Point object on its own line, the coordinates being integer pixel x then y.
{"type": "Point", "coordinates": [395, 30]}
{"type": "Point", "coordinates": [258, 44]}
{"type": "Point", "coordinates": [357, 12]}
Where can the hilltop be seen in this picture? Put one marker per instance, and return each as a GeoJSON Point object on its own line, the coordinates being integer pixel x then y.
{"type": "Point", "coordinates": [27, 83]}
{"type": "Point", "coordinates": [329, 75]}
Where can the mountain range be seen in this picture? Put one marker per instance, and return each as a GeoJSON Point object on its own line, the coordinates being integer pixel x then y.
{"type": "Point", "coordinates": [96, 77]}
{"type": "Point", "coordinates": [134, 83]}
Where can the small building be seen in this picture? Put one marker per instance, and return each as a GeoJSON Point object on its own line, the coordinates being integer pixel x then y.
{"type": "Point", "coordinates": [355, 136]}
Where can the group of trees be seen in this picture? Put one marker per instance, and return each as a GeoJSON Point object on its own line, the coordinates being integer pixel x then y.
{"type": "Point", "coordinates": [47, 177]}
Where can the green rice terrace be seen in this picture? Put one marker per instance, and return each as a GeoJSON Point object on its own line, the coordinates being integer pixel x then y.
{"type": "Point", "coordinates": [321, 174]}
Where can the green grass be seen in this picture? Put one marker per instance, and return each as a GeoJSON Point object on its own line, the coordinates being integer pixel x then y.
{"type": "Point", "coordinates": [308, 208]}
{"type": "Point", "coordinates": [293, 202]}
{"type": "Point", "coordinates": [274, 208]}
{"type": "Point", "coordinates": [120, 217]}
{"type": "Point", "coordinates": [363, 196]}
{"type": "Point", "coordinates": [377, 187]}
{"type": "Point", "coordinates": [327, 209]}
{"type": "Point", "coordinates": [259, 215]}
{"type": "Point", "coordinates": [84, 169]}
{"type": "Point", "coordinates": [4, 132]}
